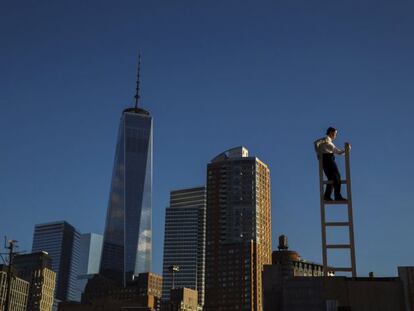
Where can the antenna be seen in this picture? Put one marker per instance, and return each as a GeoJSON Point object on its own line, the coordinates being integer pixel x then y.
{"type": "Point", "coordinates": [137, 95]}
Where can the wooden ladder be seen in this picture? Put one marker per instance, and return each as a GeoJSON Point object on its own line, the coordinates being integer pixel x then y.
{"type": "Point", "coordinates": [348, 223]}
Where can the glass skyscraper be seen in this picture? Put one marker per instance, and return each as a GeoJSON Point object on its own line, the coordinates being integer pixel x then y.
{"type": "Point", "coordinates": [184, 241]}
{"type": "Point", "coordinates": [61, 241]}
{"type": "Point", "coordinates": [127, 243]}
{"type": "Point", "coordinates": [90, 257]}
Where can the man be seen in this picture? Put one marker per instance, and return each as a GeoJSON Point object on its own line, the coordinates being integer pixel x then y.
{"type": "Point", "coordinates": [324, 147]}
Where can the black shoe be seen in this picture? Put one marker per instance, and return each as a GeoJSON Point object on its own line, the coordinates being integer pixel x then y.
{"type": "Point", "coordinates": [327, 199]}
{"type": "Point", "coordinates": [340, 199]}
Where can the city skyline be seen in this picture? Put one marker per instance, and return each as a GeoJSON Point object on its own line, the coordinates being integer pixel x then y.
{"type": "Point", "coordinates": [272, 77]}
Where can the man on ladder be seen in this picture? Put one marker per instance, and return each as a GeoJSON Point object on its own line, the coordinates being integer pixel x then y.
{"type": "Point", "coordinates": [324, 147]}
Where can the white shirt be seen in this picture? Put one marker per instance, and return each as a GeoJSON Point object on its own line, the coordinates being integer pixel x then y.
{"type": "Point", "coordinates": [325, 145]}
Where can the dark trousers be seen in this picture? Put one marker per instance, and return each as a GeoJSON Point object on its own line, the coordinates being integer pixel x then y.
{"type": "Point", "coordinates": [332, 173]}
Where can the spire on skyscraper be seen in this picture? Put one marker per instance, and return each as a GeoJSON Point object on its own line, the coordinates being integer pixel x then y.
{"type": "Point", "coordinates": [127, 243]}
{"type": "Point", "coordinates": [137, 95]}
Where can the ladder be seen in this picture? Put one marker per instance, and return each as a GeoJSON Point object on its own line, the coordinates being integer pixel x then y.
{"type": "Point", "coordinates": [348, 223]}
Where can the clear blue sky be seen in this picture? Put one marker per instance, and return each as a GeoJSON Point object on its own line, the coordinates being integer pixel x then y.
{"type": "Point", "coordinates": [269, 75]}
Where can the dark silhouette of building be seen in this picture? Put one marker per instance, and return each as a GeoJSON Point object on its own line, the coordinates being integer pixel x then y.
{"type": "Point", "coordinates": [36, 268]}
{"type": "Point", "coordinates": [406, 275]}
{"type": "Point", "coordinates": [182, 299]}
{"type": "Point", "coordinates": [293, 284]}
{"type": "Point", "coordinates": [342, 293]}
{"type": "Point", "coordinates": [101, 292]}
{"type": "Point", "coordinates": [285, 265]}
{"type": "Point", "coordinates": [149, 284]}
{"type": "Point", "coordinates": [238, 235]}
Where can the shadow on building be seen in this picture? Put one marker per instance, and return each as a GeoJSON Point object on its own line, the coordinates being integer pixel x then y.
{"type": "Point", "coordinates": [293, 284]}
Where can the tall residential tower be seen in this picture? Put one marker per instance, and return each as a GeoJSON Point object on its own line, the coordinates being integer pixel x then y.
{"type": "Point", "coordinates": [184, 241]}
{"type": "Point", "coordinates": [127, 239]}
{"type": "Point", "coordinates": [238, 235]}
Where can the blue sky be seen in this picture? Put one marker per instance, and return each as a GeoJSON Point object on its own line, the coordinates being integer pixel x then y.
{"type": "Point", "coordinates": [269, 75]}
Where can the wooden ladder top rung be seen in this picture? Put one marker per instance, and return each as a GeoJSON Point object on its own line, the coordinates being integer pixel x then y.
{"type": "Point", "coordinates": [341, 269]}
{"type": "Point", "coordinates": [344, 202]}
{"type": "Point", "coordinates": [338, 246]}
{"type": "Point", "coordinates": [337, 223]}
{"type": "Point", "coordinates": [330, 182]}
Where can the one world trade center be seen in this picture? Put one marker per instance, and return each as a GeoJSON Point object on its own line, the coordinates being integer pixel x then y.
{"type": "Point", "coordinates": [127, 243]}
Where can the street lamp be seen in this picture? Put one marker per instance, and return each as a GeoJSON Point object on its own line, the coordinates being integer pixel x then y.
{"type": "Point", "coordinates": [173, 269]}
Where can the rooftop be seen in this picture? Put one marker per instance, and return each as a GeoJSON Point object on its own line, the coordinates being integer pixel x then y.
{"type": "Point", "coordinates": [137, 111]}
{"type": "Point", "coordinates": [236, 152]}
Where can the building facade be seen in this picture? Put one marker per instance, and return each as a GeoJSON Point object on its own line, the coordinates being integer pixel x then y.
{"type": "Point", "coordinates": [90, 257]}
{"type": "Point", "coordinates": [406, 275]}
{"type": "Point", "coordinates": [36, 268]}
{"type": "Point", "coordinates": [286, 264]}
{"type": "Point", "coordinates": [103, 293]}
{"type": "Point", "coordinates": [238, 232]}
{"type": "Point", "coordinates": [148, 283]}
{"type": "Point", "coordinates": [61, 241]}
{"type": "Point", "coordinates": [127, 246]}
{"type": "Point", "coordinates": [182, 299]}
{"type": "Point", "coordinates": [19, 291]}
{"type": "Point", "coordinates": [184, 241]}
{"type": "Point", "coordinates": [342, 293]}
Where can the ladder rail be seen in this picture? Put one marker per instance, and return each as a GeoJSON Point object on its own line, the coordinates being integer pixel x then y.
{"type": "Point", "coordinates": [323, 218]}
{"type": "Point", "coordinates": [350, 213]}
{"type": "Point", "coordinates": [348, 223]}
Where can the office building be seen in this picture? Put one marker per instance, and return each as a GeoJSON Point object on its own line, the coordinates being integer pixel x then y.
{"type": "Point", "coordinates": [19, 291]}
{"type": "Point", "coordinates": [127, 237]}
{"type": "Point", "coordinates": [61, 241]}
{"type": "Point", "coordinates": [90, 257]}
{"type": "Point", "coordinates": [184, 241]}
{"type": "Point", "coordinates": [238, 235]}
{"type": "Point", "coordinates": [36, 268]}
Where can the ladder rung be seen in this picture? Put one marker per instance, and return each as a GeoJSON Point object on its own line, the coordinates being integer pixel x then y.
{"type": "Point", "coordinates": [330, 182]}
{"type": "Point", "coordinates": [338, 246]}
{"type": "Point", "coordinates": [337, 223]}
{"type": "Point", "coordinates": [335, 202]}
{"type": "Point", "coordinates": [341, 269]}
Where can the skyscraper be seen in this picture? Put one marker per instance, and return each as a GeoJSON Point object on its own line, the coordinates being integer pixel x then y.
{"type": "Point", "coordinates": [184, 241]}
{"type": "Point", "coordinates": [61, 241]}
{"type": "Point", "coordinates": [127, 239]}
{"type": "Point", "coordinates": [238, 235]}
{"type": "Point", "coordinates": [90, 257]}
